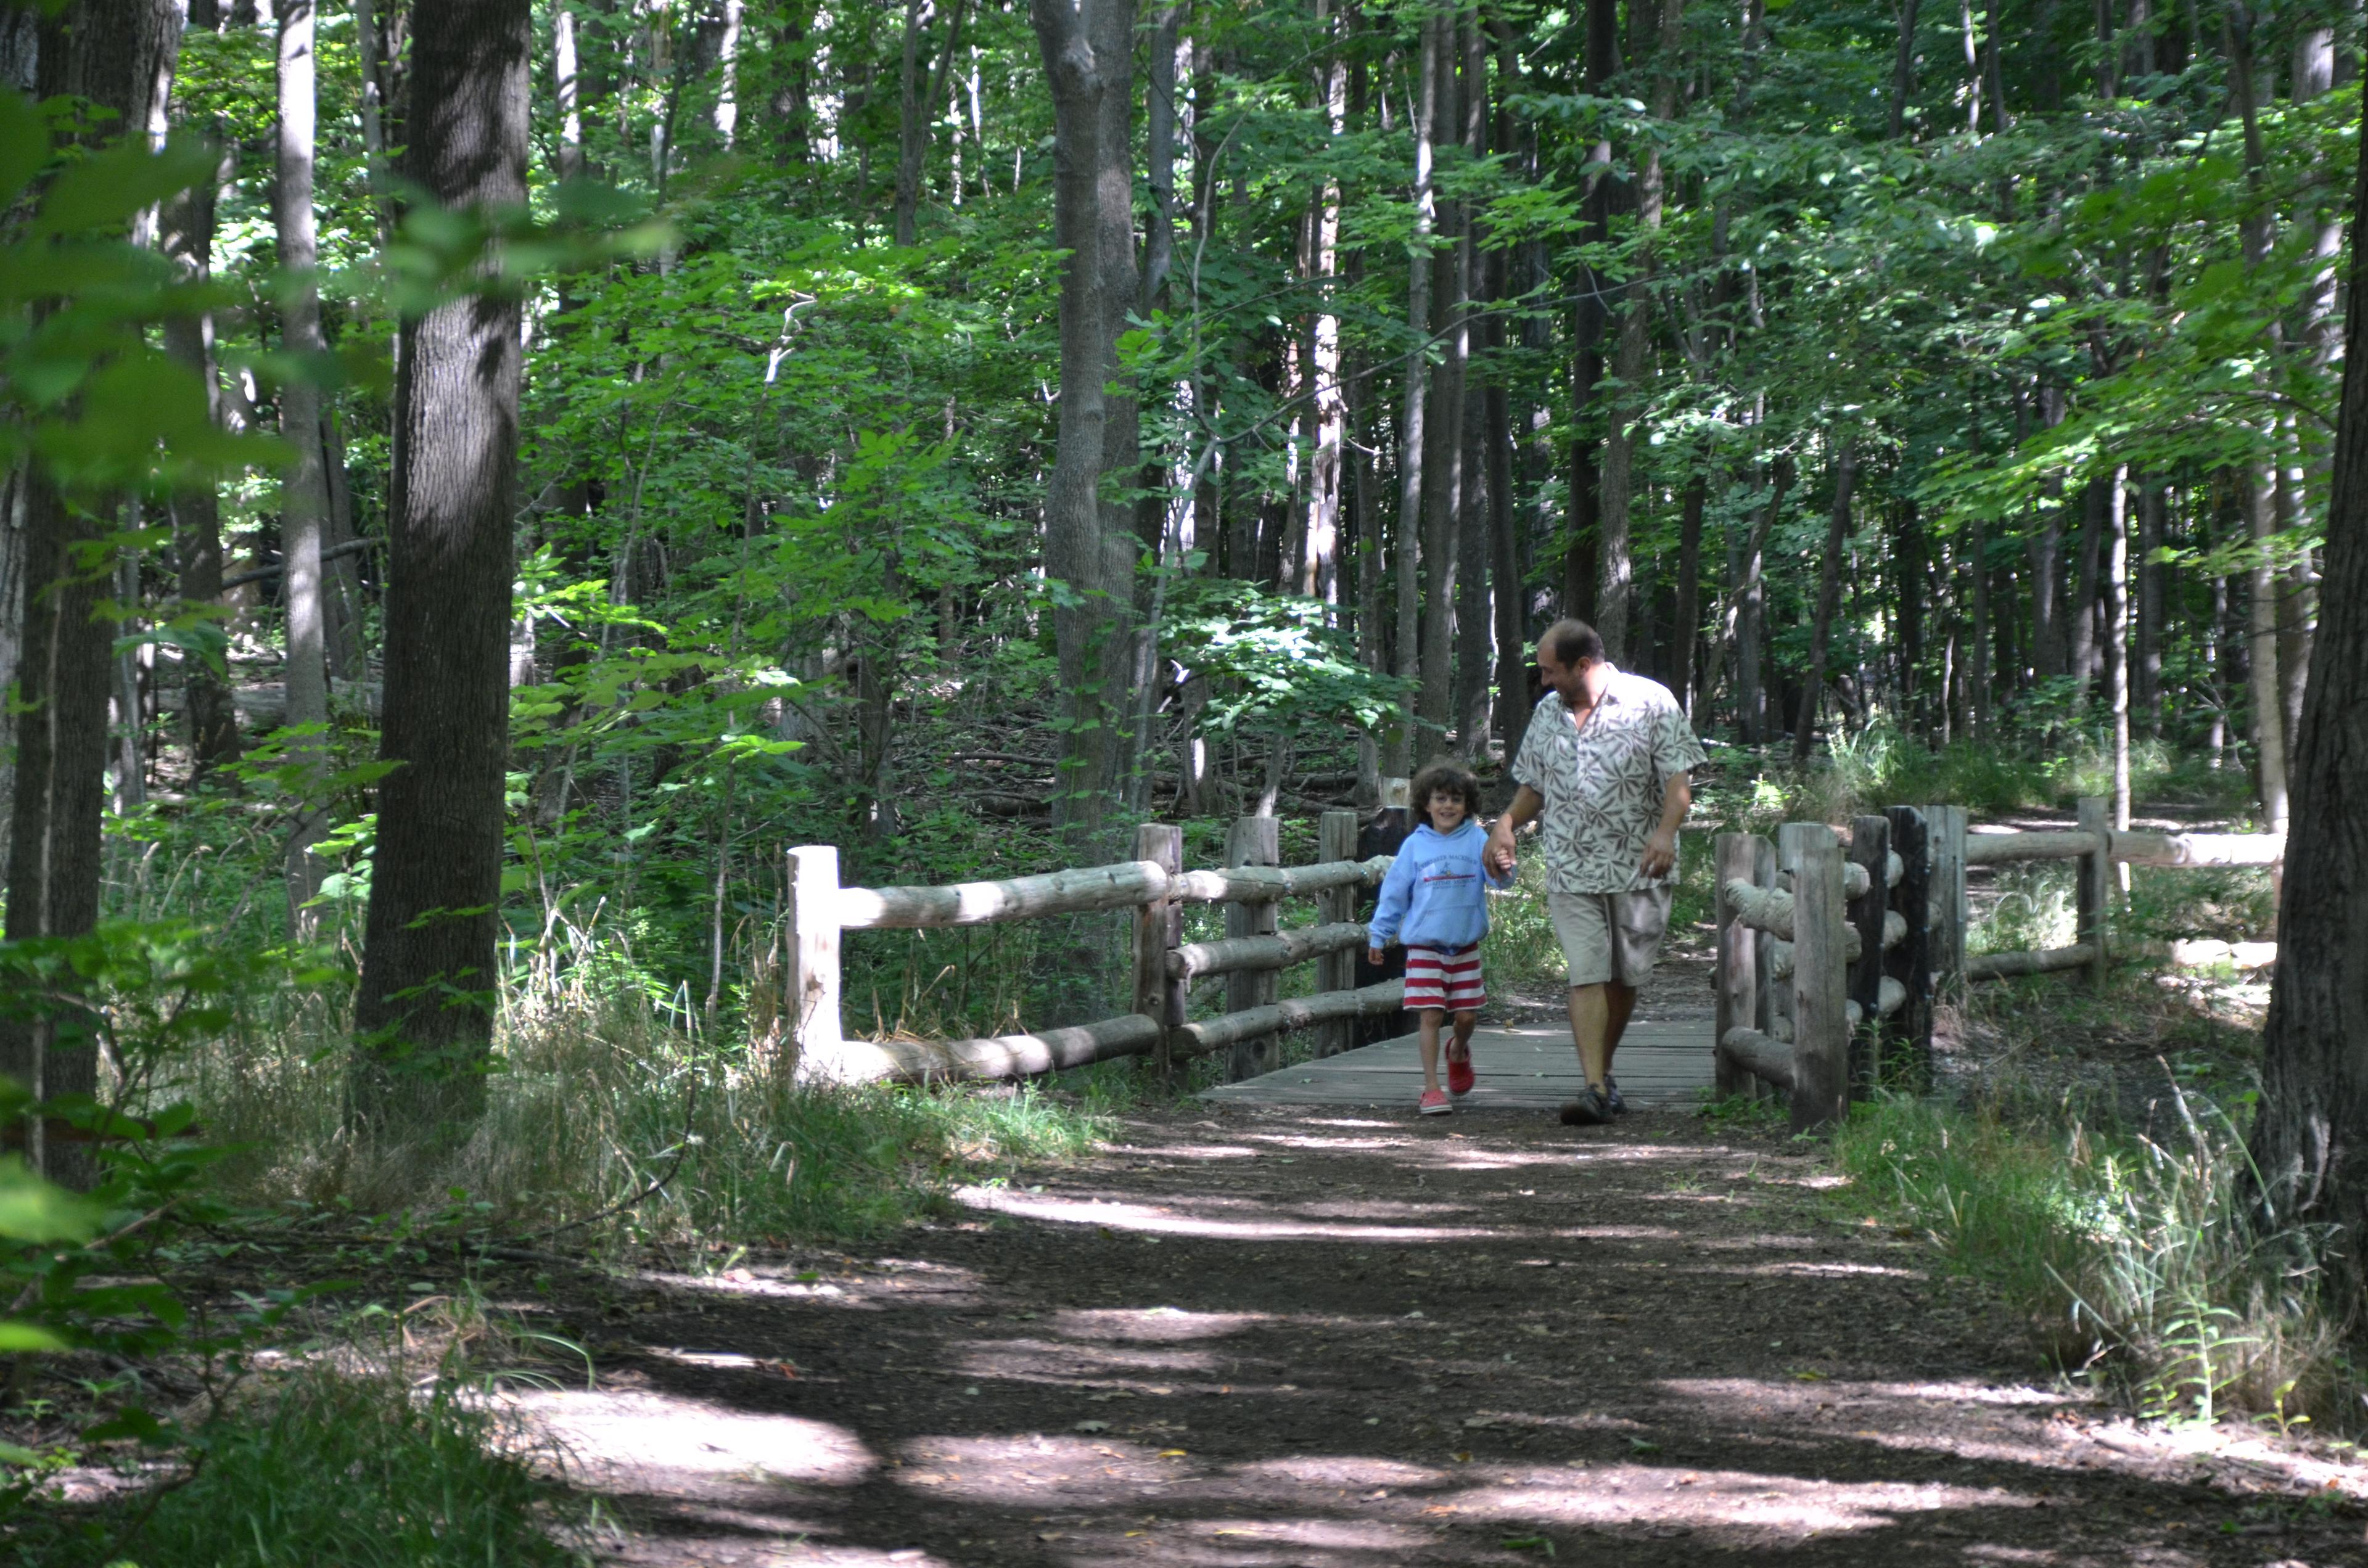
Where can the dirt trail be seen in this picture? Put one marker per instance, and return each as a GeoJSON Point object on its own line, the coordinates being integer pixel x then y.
{"type": "Point", "coordinates": [1326, 1338]}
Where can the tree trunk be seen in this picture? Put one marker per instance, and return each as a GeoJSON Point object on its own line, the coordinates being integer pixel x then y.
{"type": "Point", "coordinates": [1320, 557]}
{"type": "Point", "coordinates": [1903, 69]}
{"type": "Point", "coordinates": [2080, 614]}
{"type": "Point", "coordinates": [304, 488]}
{"type": "Point", "coordinates": [1829, 598]}
{"type": "Point", "coordinates": [913, 132]}
{"type": "Point", "coordinates": [1623, 410]}
{"type": "Point", "coordinates": [2146, 671]}
{"type": "Point", "coordinates": [1443, 502]}
{"type": "Point", "coordinates": [122, 57]}
{"type": "Point", "coordinates": [1088, 62]}
{"type": "Point", "coordinates": [1399, 753]}
{"type": "Point", "coordinates": [187, 230]}
{"type": "Point", "coordinates": [2117, 638]}
{"type": "Point", "coordinates": [1686, 633]}
{"type": "Point", "coordinates": [1751, 616]}
{"type": "Point", "coordinates": [727, 75]}
{"type": "Point", "coordinates": [1581, 562]}
{"type": "Point", "coordinates": [2310, 1140]}
{"type": "Point", "coordinates": [424, 1011]}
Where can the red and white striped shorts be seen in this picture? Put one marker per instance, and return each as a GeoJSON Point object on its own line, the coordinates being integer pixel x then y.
{"type": "Point", "coordinates": [1439, 977]}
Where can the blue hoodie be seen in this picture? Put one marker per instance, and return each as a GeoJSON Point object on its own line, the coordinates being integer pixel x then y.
{"type": "Point", "coordinates": [1434, 894]}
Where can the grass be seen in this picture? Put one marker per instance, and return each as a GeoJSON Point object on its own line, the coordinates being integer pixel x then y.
{"type": "Point", "coordinates": [1880, 767]}
{"type": "Point", "coordinates": [331, 1467]}
{"type": "Point", "coordinates": [2131, 1258]}
{"type": "Point", "coordinates": [602, 1098]}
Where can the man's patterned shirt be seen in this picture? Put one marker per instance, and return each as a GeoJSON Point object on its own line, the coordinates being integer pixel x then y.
{"type": "Point", "coordinates": [1602, 784]}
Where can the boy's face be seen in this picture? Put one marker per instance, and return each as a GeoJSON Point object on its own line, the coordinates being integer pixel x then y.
{"type": "Point", "coordinates": [1446, 809]}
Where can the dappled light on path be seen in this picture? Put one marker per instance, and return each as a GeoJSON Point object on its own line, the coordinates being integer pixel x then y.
{"type": "Point", "coordinates": [1370, 1346]}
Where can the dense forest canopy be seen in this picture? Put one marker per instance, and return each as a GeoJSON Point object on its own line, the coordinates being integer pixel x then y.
{"type": "Point", "coordinates": [951, 429]}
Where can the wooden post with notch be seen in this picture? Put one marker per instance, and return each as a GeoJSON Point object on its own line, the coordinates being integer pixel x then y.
{"type": "Point", "coordinates": [1772, 1001]}
{"type": "Point", "coordinates": [1871, 847]}
{"type": "Point", "coordinates": [1737, 991]}
{"type": "Point", "coordinates": [1158, 931]}
{"type": "Point", "coordinates": [1336, 839]}
{"type": "Point", "coordinates": [1252, 841]}
{"type": "Point", "coordinates": [1910, 1030]}
{"type": "Point", "coordinates": [2096, 890]}
{"type": "Point", "coordinates": [1946, 827]}
{"type": "Point", "coordinates": [1821, 1032]}
{"type": "Point", "coordinates": [812, 1000]}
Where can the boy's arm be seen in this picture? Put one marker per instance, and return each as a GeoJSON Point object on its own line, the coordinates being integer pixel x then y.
{"type": "Point", "coordinates": [1389, 910]}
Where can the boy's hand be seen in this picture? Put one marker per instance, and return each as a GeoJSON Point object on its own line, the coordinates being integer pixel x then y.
{"type": "Point", "coordinates": [1373, 957]}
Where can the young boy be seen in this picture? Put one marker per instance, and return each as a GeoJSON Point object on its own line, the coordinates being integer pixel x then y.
{"type": "Point", "coordinates": [1434, 901]}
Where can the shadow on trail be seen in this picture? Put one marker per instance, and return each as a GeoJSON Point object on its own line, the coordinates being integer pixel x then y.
{"type": "Point", "coordinates": [1316, 1340]}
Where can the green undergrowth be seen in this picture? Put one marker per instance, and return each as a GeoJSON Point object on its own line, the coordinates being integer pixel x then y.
{"type": "Point", "coordinates": [2130, 1256]}
{"type": "Point", "coordinates": [602, 1110]}
{"type": "Point", "coordinates": [331, 1467]}
{"type": "Point", "coordinates": [2021, 769]}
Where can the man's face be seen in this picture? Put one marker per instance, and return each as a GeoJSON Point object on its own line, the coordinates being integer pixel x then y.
{"type": "Point", "coordinates": [1567, 681]}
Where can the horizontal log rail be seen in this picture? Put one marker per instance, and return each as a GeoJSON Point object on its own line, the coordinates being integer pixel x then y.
{"type": "Point", "coordinates": [2135, 848]}
{"type": "Point", "coordinates": [999, 1056]}
{"type": "Point", "coordinates": [1281, 951]}
{"type": "Point", "coordinates": [1299, 1013]}
{"type": "Point", "coordinates": [2046, 960]}
{"type": "Point", "coordinates": [1760, 1053]}
{"type": "Point", "coordinates": [1086, 889]}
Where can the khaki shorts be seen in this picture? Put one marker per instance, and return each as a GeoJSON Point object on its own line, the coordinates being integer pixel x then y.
{"type": "Point", "coordinates": [1611, 935]}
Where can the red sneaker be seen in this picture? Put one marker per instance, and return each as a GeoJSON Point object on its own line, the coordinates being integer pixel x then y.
{"type": "Point", "coordinates": [1459, 1073]}
{"type": "Point", "coordinates": [1433, 1103]}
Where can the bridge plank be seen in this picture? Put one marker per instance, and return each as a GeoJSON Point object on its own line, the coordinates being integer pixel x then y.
{"type": "Point", "coordinates": [1661, 1062]}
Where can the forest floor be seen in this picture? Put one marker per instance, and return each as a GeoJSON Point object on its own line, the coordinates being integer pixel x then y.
{"type": "Point", "coordinates": [1320, 1337]}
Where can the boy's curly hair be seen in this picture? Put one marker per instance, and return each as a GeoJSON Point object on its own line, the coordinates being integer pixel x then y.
{"type": "Point", "coordinates": [1443, 778]}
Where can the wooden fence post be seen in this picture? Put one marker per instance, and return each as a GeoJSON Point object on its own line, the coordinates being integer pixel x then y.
{"type": "Point", "coordinates": [813, 958]}
{"type": "Point", "coordinates": [1737, 988]}
{"type": "Point", "coordinates": [1252, 841]}
{"type": "Point", "coordinates": [1336, 839]}
{"type": "Point", "coordinates": [1947, 828]}
{"type": "Point", "coordinates": [1820, 975]}
{"type": "Point", "coordinates": [2096, 890]}
{"type": "Point", "coordinates": [1870, 848]}
{"type": "Point", "coordinates": [1910, 962]}
{"type": "Point", "coordinates": [1771, 1001]}
{"type": "Point", "coordinates": [1158, 930]}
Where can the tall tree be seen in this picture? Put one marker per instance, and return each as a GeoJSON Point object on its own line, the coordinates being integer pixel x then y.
{"type": "Point", "coordinates": [2310, 1142]}
{"type": "Point", "coordinates": [119, 58]}
{"type": "Point", "coordinates": [1829, 583]}
{"type": "Point", "coordinates": [425, 1009]}
{"type": "Point", "coordinates": [304, 487]}
{"type": "Point", "coordinates": [1088, 48]}
{"type": "Point", "coordinates": [1415, 412]}
{"type": "Point", "coordinates": [187, 230]}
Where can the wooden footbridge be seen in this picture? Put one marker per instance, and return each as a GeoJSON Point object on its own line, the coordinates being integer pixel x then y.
{"type": "Point", "coordinates": [1831, 956]}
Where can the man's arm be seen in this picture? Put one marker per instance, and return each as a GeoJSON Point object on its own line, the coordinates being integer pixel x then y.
{"type": "Point", "coordinates": [1661, 848]}
{"type": "Point", "coordinates": [1527, 804]}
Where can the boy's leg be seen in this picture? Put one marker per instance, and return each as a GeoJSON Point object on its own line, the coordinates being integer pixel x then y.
{"type": "Point", "coordinates": [1431, 1018]}
{"type": "Point", "coordinates": [1464, 1024]}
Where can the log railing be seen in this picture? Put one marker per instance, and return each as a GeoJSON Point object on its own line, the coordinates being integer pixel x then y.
{"type": "Point", "coordinates": [1811, 943]}
{"type": "Point", "coordinates": [1157, 887]}
{"type": "Point", "coordinates": [2097, 846]}
{"type": "Point", "coordinates": [1822, 967]}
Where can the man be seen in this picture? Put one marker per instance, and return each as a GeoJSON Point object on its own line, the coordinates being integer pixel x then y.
{"type": "Point", "coordinates": [1608, 761]}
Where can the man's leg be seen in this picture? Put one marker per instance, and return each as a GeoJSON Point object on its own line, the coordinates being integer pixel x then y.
{"type": "Point", "coordinates": [1618, 1002]}
{"type": "Point", "coordinates": [1590, 1030]}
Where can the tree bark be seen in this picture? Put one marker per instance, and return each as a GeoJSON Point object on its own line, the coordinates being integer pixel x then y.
{"type": "Point", "coordinates": [1624, 411]}
{"type": "Point", "coordinates": [1399, 751]}
{"type": "Point", "coordinates": [122, 57]}
{"type": "Point", "coordinates": [1582, 557]}
{"type": "Point", "coordinates": [187, 231]}
{"type": "Point", "coordinates": [1751, 616]}
{"type": "Point", "coordinates": [1687, 631]}
{"type": "Point", "coordinates": [2117, 638]}
{"type": "Point", "coordinates": [2310, 1142]}
{"type": "Point", "coordinates": [1088, 50]}
{"type": "Point", "coordinates": [1829, 598]}
{"type": "Point", "coordinates": [424, 1012]}
{"type": "Point", "coordinates": [1903, 69]}
{"type": "Point", "coordinates": [304, 488]}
